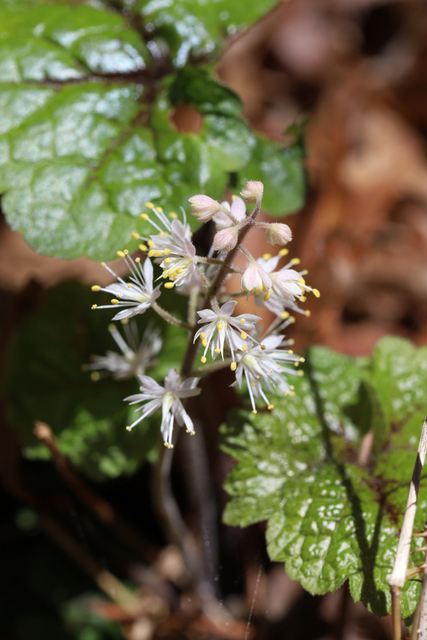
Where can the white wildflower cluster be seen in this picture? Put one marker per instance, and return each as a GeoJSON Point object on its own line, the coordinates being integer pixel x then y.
{"type": "Point", "coordinates": [262, 359]}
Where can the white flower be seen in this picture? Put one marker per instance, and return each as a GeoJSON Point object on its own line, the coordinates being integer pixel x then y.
{"type": "Point", "coordinates": [169, 399]}
{"type": "Point", "coordinates": [279, 306]}
{"type": "Point", "coordinates": [260, 366]}
{"type": "Point", "coordinates": [174, 245]}
{"type": "Point", "coordinates": [220, 329]}
{"type": "Point", "coordinates": [138, 294]}
{"type": "Point", "coordinates": [286, 283]}
{"type": "Point", "coordinates": [255, 279]}
{"type": "Point", "coordinates": [237, 210]}
{"type": "Point", "coordinates": [136, 355]}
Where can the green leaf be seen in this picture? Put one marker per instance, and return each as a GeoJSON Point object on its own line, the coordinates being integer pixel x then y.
{"type": "Point", "coordinates": [194, 28]}
{"type": "Point", "coordinates": [88, 418]}
{"type": "Point", "coordinates": [330, 518]}
{"type": "Point", "coordinates": [87, 134]}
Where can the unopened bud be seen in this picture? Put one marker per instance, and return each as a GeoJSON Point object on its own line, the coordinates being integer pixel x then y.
{"type": "Point", "coordinates": [226, 239]}
{"type": "Point", "coordinates": [278, 233]}
{"type": "Point", "coordinates": [252, 192]}
{"type": "Point", "coordinates": [204, 207]}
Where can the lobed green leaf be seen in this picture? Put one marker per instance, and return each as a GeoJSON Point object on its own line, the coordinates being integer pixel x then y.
{"type": "Point", "coordinates": [332, 516]}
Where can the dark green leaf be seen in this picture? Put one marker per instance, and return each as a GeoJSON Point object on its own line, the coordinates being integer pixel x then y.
{"type": "Point", "coordinates": [88, 418]}
{"type": "Point", "coordinates": [330, 518]}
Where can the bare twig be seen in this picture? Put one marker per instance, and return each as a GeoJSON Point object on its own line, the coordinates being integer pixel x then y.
{"type": "Point", "coordinates": [397, 578]}
{"type": "Point", "coordinates": [97, 505]}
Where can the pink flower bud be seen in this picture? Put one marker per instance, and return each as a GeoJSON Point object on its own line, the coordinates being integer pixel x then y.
{"type": "Point", "coordinates": [204, 207]}
{"type": "Point", "coordinates": [278, 233]}
{"type": "Point", "coordinates": [252, 192]}
{"type": "Point", "coordinates": [226, 239]}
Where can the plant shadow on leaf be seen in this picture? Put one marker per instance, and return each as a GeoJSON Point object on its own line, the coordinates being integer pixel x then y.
{"type": "Point", "coordinates": [370, 595]}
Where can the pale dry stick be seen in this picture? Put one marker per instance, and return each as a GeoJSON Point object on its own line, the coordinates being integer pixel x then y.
{"type": "Point", "coordinates": [419, 624]}
{"type": "Point", "coordinates": [398, 576]}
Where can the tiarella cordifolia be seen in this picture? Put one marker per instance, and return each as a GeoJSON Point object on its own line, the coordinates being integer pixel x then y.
{"type": "Point", "coordinates": [260, 359]}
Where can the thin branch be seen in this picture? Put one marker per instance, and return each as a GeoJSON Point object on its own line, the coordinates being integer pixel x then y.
{"type": "Point", "coordinates": [97, 505]}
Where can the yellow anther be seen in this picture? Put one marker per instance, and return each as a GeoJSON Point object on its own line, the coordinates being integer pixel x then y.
{"type": "Point", "coordinates": [94, 376]}
{"type": "Point", "coordinates": [233, 198]}
{"type": "Point", "coordinates": [96, 287]}
{"type": "Point", "coordinates": [149, 205]}
{"type": "Point", "coordinates": [266, 256]}
{"type": "Point", "coordinates": [111, 327]}
{"type": "Point", "coordinates": [168, 260]}
{"type": "Point", "coordinates": [263, 347]}
{"type": "Point", "coordinates": [292, 320]}
{"type": "Point", "coordinates": [300, 372]}
{"type": "Point", "coordinates": [173, 215]}
{"type": "Point", "coordinates": [162, 233]}
{"type": "Point", "coordinates": [151, 253]}
{"type": "Point", "coordinates": [169, 285]}
{"type": "Point", "coordinates": [270, 407]}
{"type": "Point", "coordinates": [270, 371]}
{"type": "Point", "coordinates": [302, 359]}
{"type": "Point", "coordinates": [128, 428]}
{"type": "Point", "coordinates": [254, 383]}
{"type": "Point", "coordinates": [157, 253]}
{"type": "Point", "coordinates": [257, 377]}
{"type": "Point", "coordinates": [159, 209]}
{"type": "Point", "coordinates": [179, 270]}
{"type": "Point", "coordinates": [94, 306]}
{"type": "Point", "coordinates": [125, 321]}
{"type": "Point", "coordinates": [284, 315]}
{"type": "Point", "coordinates": [203, 335]}
{"type": "Point", "coordinates": [267, 295]}
{"type": "Point", "coordinates": [254, 411]}
{"type": "Point", "coordinates": [291, 386]}
{"type": "Point", "coordinates": [151, 244]}
{"type": "Point", "coordinates": [220, 326]}
{"type": "Point", "coordinates": [290, 351]}
{"type": "Point", "coordinates": [203, 360]}
{"type": "Point", "coordinates": [137, 260]}
{"type": "Point", "coordinates": [114, 301]}
{"type": "Point", "coordinates": [279, 367]}
{"type": "Point", "coordinates": [301, 281]}
{"type": "Point", "coordinates": [295, 261]}
{"type": "Point", "coordinates": [316, 293]}
{"type": "Point", "coordinates": [283, 252]}
{"type": "Point", "coordinates": [243, 335]}
{"type": "Point", "coordinates": [244, 348]}
{"type": "Point", "coordinates": [135, 235]}
{"type": "Point", "coordinates": [233, 366]}
{"type": "Point", "coordinates": [307, 313]}
{"type": "Point", "coordinates": [143, 247]}
{"type": "Point", "coordinates": [121, 254]}
{"type": "Point", "coordinates": [129, 285]}
{"type": "Point", "coordinates": [303, 298]}
{"type": "Point", "coordinates": [291, 341]}
{"type": "Point", "coordinates": [296, 364]}
{"type": "Point", "coordinates": [102, 264]}
{"type": "Point", "coordinates": [166, 252]}
{"type": "Point", "coordinates": [204, 342]}
{"type": "Point", "coordinates": [217, 350]}
{"type": "Point", "coordinates": [242, 321]}
{"type": "Point", "coordinates": [126, 252]}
